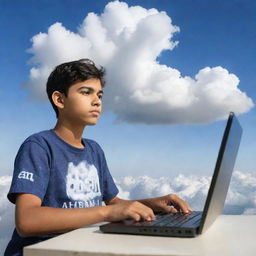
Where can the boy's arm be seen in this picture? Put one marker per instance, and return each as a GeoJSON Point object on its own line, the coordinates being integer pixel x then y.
{"type": "Point", "coordinates": [32, 219]}
{"type": "Point", "coordinates": [169, 203]}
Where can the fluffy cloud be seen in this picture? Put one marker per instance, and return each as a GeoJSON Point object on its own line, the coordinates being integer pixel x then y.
{"type": "Point", "coordinates": [127, 41]}
{"type": "Point", "coordinates": [241, 198]}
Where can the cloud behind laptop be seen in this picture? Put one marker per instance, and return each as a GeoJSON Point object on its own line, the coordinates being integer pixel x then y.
{"type": "Point", "coordinates": [128, 42]}
{"type": "Point", "coordinates": [241, 198]}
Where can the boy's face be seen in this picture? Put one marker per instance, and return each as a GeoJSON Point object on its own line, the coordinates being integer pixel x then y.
{"type": "Point", "coordinates": [83, 104]}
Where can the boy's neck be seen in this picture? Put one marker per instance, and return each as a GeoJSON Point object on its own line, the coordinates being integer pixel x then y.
{"type": "Point", "coordinates": [70, 133]}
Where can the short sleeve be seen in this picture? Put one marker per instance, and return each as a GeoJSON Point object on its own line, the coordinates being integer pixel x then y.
{"type": "Point", "coordinates": [110, 189]}
{"type": "Point", "coordinates": [31, 171]}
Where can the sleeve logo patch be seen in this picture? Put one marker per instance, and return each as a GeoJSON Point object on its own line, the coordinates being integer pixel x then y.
{"type": "Point", "coordinates": [26, 175]}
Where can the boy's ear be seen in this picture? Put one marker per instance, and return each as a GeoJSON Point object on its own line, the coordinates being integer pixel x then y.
{"type": "Point", "coordinates": [58, 99]}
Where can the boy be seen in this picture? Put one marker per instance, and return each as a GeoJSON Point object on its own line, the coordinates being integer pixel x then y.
{"type": "Point", "coordinates": [60, 179]}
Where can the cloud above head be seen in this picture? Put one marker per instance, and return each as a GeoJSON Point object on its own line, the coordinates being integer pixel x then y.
{"type": "Point", "coordinates": [128, 42]}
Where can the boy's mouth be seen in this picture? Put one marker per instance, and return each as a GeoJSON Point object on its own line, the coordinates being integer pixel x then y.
{"type": "Point", "coordinates": [95, 112]}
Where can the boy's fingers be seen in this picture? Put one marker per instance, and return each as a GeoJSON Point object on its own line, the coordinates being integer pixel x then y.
{"type": "Point", "coordinates": [173, 210]}
{"type": "Point", "coordinates": [169, 209]}
{"type": "Point", "coordinates": [139, 211]}
{"type": "Point", "coordinates": [181, 205]}
{"type": "Point", "coordinates": [141, 216]}
{"type": "Point", "coordinates": [146, 213]}
{"type": "Point", "coordinates": [135, 216]}
{"type": "Point", "coordinates": [184, 206]}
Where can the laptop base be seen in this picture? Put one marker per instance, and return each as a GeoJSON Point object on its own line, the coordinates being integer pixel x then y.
{"type": "Point", "coordinates": [120, 228]}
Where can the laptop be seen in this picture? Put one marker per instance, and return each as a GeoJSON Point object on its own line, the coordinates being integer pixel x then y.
{"type": "Point", "coordinates": [191, 225]}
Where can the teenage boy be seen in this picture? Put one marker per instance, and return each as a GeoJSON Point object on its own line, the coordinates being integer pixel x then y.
{"type": "Point", "coordinates": [60, 179]}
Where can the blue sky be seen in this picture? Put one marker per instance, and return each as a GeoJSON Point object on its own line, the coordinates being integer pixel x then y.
{"type": "Point", "coordinates": [212, 33]}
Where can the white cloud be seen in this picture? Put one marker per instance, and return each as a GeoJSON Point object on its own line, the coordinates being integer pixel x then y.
{"type": "Point", "coordinates": [192, 189]}
{"type": "Point", "coordinates": [241, 198]}
{"type": "Point", "coordinates": [127, 41]}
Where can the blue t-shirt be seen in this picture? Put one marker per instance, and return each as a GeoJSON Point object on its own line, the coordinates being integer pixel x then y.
{"type": "Point", "coordinates": [61, 175]}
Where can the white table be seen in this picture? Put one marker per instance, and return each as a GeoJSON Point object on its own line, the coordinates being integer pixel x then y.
{"type": "Point", "coordinates": [230, 235]}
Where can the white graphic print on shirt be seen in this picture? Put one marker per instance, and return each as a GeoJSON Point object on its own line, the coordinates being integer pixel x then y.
{"type": "Point", "coordinates": [82, 182]}
{"type": "Point", "coordinates": [26, 176]}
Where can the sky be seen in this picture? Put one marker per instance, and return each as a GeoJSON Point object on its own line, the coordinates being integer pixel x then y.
{"type": "Point", "coordinates": [174, 70]}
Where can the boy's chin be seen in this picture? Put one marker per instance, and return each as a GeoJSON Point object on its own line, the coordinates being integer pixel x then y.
{"type": "Point", "coordinates": [91, 123]}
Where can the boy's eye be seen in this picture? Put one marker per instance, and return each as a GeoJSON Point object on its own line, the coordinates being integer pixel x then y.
{"type": "Point", "coordinates": [88, 92]}
{"type": "Point", "coordinates": [85, 92]}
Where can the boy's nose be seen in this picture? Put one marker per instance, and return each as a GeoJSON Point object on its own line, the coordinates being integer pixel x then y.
{"type": "Point", "coordinates": [96, 101]}
{"type": "Point", "coordinates": [96, 104]}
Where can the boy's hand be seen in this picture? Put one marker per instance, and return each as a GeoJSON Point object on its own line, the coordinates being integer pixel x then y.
{"type": "Point", "coordinates": [128, 209]}
{"type": "Point", "coordinates": [170, 204]}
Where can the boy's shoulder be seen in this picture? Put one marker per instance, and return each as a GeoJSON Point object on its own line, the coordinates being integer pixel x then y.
{"type": "Point", "coordinates": [93, 144]}
{"type": "Point", "coordinates": [39, 137]}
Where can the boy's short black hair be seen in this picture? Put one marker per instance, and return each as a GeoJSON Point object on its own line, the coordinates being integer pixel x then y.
{"type": "Point", "coordinates": [69, 73]}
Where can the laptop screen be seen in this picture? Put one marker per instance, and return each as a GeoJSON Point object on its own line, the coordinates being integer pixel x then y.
{"type": "Point", "coordinates": [222, 174]}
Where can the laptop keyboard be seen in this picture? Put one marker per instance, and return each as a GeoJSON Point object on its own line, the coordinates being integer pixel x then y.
{"type": "Point", "coordinates": [176, 219]}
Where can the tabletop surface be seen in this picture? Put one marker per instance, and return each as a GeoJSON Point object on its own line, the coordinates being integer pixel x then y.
{"type": "Point", "coordinates": [230, 235]}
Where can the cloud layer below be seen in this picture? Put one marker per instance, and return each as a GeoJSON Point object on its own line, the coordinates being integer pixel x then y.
{"type": "Point", "coordinates": [241, 197]}
{"type": "Point", "coordinates": [127, 41]}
